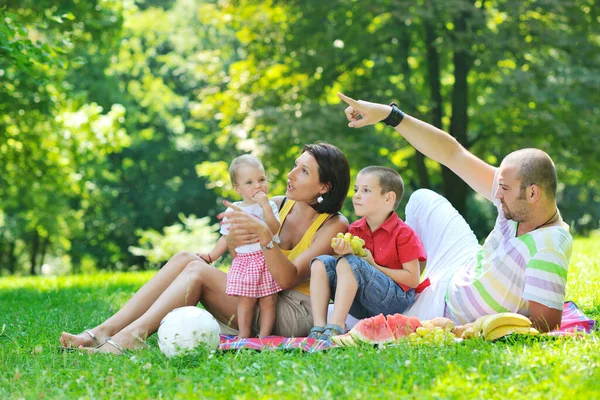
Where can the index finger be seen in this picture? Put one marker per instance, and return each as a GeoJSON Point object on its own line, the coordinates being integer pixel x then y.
{"type": "Point", "coordinates": [348, 100]}
{"type": "Point", "coordinates": [229, 204]}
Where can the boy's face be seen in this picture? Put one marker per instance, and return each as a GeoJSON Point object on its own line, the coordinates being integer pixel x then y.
{"type": "Point", "coordinates": [368, 200]}
{"type": "Point", "coordinates": [251, 180]}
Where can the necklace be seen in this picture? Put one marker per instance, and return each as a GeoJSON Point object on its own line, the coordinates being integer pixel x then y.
{"type": "Point", "coordinates": [548, 221]}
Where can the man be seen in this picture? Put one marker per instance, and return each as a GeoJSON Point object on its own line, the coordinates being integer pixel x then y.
{"type": "Point", "coordinates": [522, 266]}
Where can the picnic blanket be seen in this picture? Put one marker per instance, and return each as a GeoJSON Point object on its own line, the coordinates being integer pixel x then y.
{"type": "Point", "coordinates": [574, 321]}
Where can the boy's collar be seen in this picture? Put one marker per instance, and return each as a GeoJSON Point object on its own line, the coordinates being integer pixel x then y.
{"type": "Point", "coordinates": [388, 225]}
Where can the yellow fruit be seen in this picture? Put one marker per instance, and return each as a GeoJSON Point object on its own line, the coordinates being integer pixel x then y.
{"type": "Point", "coordinates": [347, 237]}
{"type": "Point", "coordinates": [340, 235]}
{"type": "Point", "coordinates": [477, 325]}
{"type": "Point", "coordinates": [504, 319]}
{"type": "Point", "coordinates": [422, 331]}
{"type": "Point", "coordinates": [504, 330]}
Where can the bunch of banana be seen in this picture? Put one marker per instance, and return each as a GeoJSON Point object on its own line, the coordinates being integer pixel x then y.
{"type": "Point", "coordinates": [355, 242]}
{"type": "Point", "coordinates": [495, 326]}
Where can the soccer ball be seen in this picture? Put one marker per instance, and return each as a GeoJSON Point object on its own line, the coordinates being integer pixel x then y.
{"type": "Point", "coordinates": [186, 328]}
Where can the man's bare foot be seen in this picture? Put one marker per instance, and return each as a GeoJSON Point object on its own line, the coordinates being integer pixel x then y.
{"type": "Point", "coordinates": [89, 338]}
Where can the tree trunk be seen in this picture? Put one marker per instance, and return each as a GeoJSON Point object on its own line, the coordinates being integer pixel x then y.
{"type": "Point", "coordinates": [35, 243]}
{"type": "Point", "coordinates": [43, 250]}
{"type": "Point", "coordinates": [455, 188]}
{"type": "Point", "coordinates": [12, 259]}
{"type": "Point", "coordinates": [405, 43]}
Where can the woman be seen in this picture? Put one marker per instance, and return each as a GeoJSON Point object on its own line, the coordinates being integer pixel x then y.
{"type": "Point", "coordinates": [317, 187]}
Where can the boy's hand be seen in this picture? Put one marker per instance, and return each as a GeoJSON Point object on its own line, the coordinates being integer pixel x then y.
{"type": "Point", "coordinates": [341, 247]}
{"type": "Point", "coordinates": [261, 198]}
{"type": "Point", "coordinates": [369, 257]}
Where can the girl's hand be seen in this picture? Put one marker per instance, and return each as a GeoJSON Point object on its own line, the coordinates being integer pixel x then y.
{"type": "Point", "coordinates": [362, 113]}
{"type": "Point", "coordinates": [341, 247]}
{"type": "Point", "coordinates": [244, 228]}
{"type": "Point", "coordinates": [206, 257]}
{"type": "Point", "coordinates": [261, 198]}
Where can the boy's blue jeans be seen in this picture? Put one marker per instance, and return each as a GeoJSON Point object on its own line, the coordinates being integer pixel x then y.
{"type": "Point", "coordinates": [377, 293]}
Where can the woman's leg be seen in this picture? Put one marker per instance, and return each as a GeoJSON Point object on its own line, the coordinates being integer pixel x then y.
{"type": "Point", "coordinates": [245, 313]}
{"type": "Point", "coordinates": [198, 282]}
{"type": "Point", "coordinates": [345, 293]}
{"type": "Point", "coordinates": [136, 306]}
{"type": "Point", "coordinates": [268, 307]}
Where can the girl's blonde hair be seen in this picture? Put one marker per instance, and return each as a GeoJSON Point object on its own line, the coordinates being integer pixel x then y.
{"type": "Point", "coordinates": [246, 160]}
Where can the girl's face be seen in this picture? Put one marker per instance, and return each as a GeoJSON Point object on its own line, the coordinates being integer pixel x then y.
{"type": "Point", "coordinates": [251, 180]}
{"type": "Point", "coordinates": [303, 180]}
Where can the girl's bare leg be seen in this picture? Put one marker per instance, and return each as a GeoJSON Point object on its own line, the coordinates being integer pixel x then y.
{"type": "Point", "coordinates": [245, 312]}
{"type": "Point", "coordinates": [136, 306]}
{"type": "Point", "coordinates": [345, 293]}
{"type": "Point", "coordinates": [268, 309]}
{"type": "Point", "coordinates": [198, 282]}
{"type": "Point", "coordinates": [319, 293]}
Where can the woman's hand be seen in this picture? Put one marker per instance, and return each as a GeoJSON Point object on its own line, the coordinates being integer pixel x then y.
{"type": "Point", "coordinates": [362, 113]}
{"type": "Point", "coordinates": [244, 228]}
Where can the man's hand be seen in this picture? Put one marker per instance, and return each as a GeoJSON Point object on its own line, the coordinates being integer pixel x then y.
{"type": "Point", "coordinates": [341, 247]}
{"type": "Point", "coordinates": [362, 113]}
{"type": "Point", "coordinates": [261, 198]}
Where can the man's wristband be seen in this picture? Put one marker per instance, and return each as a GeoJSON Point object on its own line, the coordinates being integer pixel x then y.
{"type": "Point", "coordinates": [395, 117]}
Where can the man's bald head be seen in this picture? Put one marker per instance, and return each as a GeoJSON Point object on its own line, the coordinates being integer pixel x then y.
{"type": "Point", "coordinates": [535, 167]}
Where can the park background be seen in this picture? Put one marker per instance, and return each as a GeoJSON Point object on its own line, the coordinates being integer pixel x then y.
{"type": "Point", "coordinates": [118, 118]}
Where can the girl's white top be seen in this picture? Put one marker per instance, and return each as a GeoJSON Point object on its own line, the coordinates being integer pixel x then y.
{"type": "Point", "coordinates": [255, 210]}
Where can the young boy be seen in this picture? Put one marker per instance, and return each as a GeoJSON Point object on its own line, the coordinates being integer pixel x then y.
{"type": "Point", "coordinates": [383, 281]}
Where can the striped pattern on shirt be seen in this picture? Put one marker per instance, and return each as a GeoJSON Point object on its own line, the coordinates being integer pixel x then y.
{"type": "Point", "coordinates": [509, 271]}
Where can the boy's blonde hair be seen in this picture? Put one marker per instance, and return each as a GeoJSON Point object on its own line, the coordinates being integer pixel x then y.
{"type": "Point", "coordinates": [389, 180]}
{"type": "Point", "coordinates": [246, 160]}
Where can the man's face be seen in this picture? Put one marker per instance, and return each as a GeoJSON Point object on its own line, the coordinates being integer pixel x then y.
{"type": "Point", "coordinates": [510, 194]}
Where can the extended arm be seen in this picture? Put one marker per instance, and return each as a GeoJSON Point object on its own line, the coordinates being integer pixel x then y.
{"type": "Point", "coordinates": [429, 140]}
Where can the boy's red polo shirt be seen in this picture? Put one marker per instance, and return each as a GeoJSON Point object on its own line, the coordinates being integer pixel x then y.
{"type": "Point", "coordinates": [392, 244]}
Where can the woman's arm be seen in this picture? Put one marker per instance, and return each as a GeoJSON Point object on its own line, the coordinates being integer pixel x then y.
{"type": "Point", "coordinates": [289, 274]}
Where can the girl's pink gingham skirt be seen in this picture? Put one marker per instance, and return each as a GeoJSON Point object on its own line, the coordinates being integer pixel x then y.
{"type": "Point", "coordinates": [248, 276]}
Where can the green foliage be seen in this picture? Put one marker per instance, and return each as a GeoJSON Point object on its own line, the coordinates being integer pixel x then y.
{"type": "Point", "coordinates": [37, 310]}
{"type": "Point", "coordinates": [193, 233]}
{"type": "Point", "coordinates": [174, 89]}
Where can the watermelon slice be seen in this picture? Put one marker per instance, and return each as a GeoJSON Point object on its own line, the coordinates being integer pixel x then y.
{"type": "Point", "coordinates": [374, 330]}
{"type": "Point", "coordinates": [402, 326]}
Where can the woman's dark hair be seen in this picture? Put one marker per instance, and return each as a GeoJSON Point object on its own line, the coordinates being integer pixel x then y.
{"type": "Point", "coordinates": [334, 171]}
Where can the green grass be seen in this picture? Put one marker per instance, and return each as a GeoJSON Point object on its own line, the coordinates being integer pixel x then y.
{"type": "Point", "coordinates": [35, 310]}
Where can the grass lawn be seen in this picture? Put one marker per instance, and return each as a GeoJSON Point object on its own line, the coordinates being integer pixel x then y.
{"type": "Point", "coordinates": [33, 312]}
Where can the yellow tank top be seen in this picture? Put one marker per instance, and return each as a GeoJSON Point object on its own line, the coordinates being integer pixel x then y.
{"type": "Point", "coordinates": [304, 243]}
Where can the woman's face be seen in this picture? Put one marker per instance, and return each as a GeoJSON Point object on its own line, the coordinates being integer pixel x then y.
{"type": "Point", "coordinates": [303, 180]}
